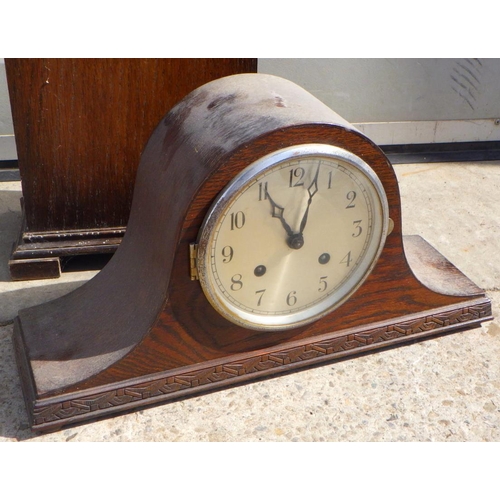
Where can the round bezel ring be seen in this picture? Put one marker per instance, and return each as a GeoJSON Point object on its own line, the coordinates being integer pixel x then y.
{"type": "Point", "coordinates": [237, 186]}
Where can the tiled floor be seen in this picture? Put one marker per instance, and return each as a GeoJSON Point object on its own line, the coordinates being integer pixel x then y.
{"type": "Point", "coordinates": [445, 389]}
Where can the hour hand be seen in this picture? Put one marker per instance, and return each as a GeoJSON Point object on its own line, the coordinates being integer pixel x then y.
{"type": "Point", "coordinates": [294, 240]}
{"type": "Point", "coordinates": [277, 212]}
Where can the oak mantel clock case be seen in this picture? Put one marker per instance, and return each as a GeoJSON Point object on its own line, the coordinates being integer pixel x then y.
{"type": "Point", "coordinates": [264, 236]}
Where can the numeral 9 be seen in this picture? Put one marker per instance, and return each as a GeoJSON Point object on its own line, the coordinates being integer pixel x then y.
{"type": "Point", "coordinates": [227, 253]}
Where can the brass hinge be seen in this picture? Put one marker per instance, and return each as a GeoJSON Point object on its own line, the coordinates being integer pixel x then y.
{"type": "Point", "coordinates": [193, 248]}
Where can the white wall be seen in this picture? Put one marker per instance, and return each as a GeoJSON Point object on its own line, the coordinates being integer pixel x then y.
{"type": "Point", "coordinates": [398, 101]}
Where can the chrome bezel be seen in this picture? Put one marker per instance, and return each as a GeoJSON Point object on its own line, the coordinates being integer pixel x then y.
{"type": "Point", "coordinates": [331, 302]}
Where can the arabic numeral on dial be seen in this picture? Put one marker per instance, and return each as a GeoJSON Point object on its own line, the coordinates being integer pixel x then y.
{"type": "Point", "coordinates": [237, 220]}
{"type": "Point", "coordinates": [227, 253]}
{"type": "Point", "coordinates": [263, 191]}
{"type": "Point", "coordinates": [347, 259]}
{"type": "Point", "coordinates": [351, 196]}
{"type": "Point", "coordinates": [296, 176]}
{"type": "Point", "coordinates": [261, 292]}
{"type": "Point", "coordinates": [357, 228]}
{"type": "Point", "coordinates": [236, 283]}
{"type": "Point", "coordinates": [323, 285]}
{"type": "Point", "coordinates": [291, 298]}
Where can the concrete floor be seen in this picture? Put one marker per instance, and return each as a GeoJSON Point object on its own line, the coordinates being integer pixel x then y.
{"type": "Point", "coordinates": [445, 389]}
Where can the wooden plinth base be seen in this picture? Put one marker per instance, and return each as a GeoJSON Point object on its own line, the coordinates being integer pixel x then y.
{"type": "Point", "coordinates": [49, 413]}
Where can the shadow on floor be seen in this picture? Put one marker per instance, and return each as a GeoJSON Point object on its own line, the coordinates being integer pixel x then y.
{"type": "Point", "coordinates": [12, 301]}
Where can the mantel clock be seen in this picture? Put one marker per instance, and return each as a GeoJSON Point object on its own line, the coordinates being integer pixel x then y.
{"type": "Point", "coordinates": [264, 236]}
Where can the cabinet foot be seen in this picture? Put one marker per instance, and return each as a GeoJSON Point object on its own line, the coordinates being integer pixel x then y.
{"type": "Point", "coordinates": [34, 269]}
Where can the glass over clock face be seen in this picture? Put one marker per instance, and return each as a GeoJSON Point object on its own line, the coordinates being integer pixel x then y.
{"type": "Point", "coordinates": [292, 237]}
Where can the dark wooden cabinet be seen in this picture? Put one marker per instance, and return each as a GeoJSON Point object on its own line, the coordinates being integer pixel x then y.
{"type": "Point", "coordinates": [80, 127]}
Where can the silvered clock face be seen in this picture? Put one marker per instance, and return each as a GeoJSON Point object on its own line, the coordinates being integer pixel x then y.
{"type": "Point", "coordinates": [292, 237]}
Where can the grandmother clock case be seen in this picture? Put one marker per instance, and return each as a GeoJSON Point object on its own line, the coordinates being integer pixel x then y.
{"type": "Point", "coordinates": [264, 236]}
{"type": "Point", "coordinates": [80, 126]}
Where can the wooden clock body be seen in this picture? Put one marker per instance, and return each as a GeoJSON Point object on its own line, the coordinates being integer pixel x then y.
{"type": "Point", "coordinates": [142, 332]}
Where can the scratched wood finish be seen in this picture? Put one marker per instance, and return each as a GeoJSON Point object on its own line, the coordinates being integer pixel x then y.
{"type": "Point", "coordinates": [142, 332]}
{"type": "Point", "coordinates": [80, 127]}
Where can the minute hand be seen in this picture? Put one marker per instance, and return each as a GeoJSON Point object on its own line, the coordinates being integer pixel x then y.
{"type": "Point", "coordinates": [312, 190]}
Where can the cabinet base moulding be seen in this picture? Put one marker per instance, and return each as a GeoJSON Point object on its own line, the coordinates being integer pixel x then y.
{"type": "Point", "coordinates": [38, 255]}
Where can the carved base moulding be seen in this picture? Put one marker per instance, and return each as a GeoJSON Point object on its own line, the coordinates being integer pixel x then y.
{"type": "Point", "coordinates": [144, 330]}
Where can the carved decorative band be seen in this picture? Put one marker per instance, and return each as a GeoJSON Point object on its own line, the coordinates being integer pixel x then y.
{"type": "Point", "coordinates": [163, 388]}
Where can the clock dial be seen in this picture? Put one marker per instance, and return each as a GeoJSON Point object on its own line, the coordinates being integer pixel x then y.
{"type": "Point", "coordinates": [292, 236]}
